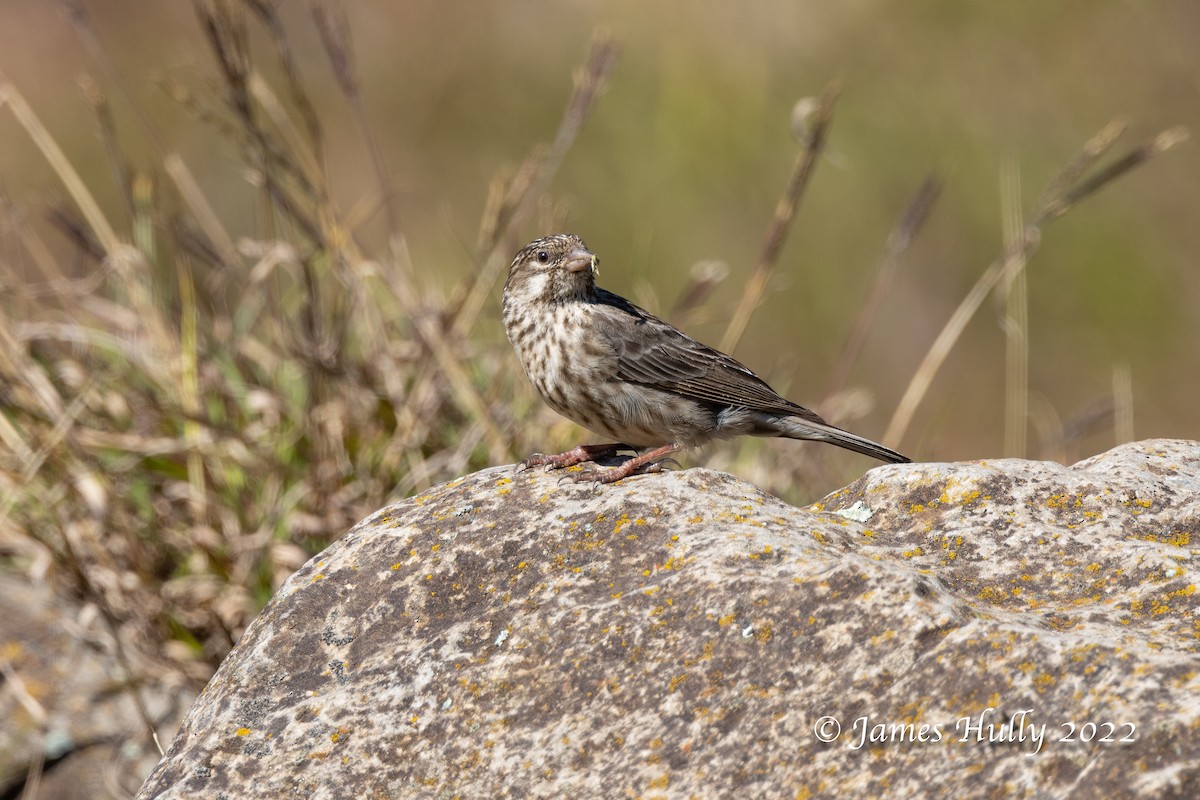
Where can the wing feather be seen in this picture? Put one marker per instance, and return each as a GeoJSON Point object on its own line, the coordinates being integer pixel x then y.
{"type": "Point", "coordinates": [661, 356]}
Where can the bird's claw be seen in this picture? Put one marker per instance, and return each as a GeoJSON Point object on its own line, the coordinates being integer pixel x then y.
{"type": "Point", "coordinates": [535, 460]}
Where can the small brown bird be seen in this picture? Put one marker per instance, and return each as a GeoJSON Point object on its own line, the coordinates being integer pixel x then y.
{"type": "Point", "coordinates": [622, 372]}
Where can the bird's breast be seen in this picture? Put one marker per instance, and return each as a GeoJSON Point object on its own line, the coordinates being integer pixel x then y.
{"type": "Point", "coordinates": [575, 369]}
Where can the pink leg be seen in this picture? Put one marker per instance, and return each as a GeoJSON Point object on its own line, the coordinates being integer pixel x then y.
{"type": "Point", "coordinates": [582, 453]}
{"type": "Point", "coordinates": [638, 465]}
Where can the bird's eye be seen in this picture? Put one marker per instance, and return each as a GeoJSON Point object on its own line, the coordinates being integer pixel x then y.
{"type": "Point", "coordinates": [543, 256]}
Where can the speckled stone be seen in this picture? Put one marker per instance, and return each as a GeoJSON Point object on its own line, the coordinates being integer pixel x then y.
{"type": "Point", "coordinates": [685, 635]}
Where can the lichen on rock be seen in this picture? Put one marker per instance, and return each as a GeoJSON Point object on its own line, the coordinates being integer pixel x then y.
{"type": "Point", "coordinates": [991, 628]}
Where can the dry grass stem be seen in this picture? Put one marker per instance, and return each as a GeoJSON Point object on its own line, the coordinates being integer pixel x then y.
{"type": "Point", "coordinates": [99, 224]}
{"type": "Point", "coordinates": [813, 142]}
{"type": "Point", "coordinates": [202, 211]}
{"type": "Point", "coordinates": [1059, 198]}
{"type": "Point", "coordinates": [897, 245]}
{"type": "Point", "coordinates": [1122, 383]}
{"type": "Point", "coordinates": [1015, 317]}
{"type": "Point", "coordinates": [533, 180]}
{"type": "Point", "coordinates": [331, 22]}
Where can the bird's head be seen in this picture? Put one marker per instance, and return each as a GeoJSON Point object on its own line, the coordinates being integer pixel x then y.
{"type": "Point", "coordinates": [558, 267]}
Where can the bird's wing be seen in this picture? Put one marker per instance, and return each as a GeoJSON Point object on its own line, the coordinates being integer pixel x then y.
{"type": "Point", "coordinates": [652, 352]}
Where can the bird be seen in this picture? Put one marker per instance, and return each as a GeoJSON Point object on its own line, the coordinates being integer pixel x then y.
{"type": "Point", "coordinates": [621, 372]}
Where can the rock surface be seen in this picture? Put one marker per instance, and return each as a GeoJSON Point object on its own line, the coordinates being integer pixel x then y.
{"type": "Point", "coordinates": [995, 629]}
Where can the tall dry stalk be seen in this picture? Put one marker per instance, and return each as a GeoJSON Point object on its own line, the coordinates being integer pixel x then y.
{"type": "Point", "coordinates": [811, 130]}
{"type": "Point", "coordinates": [1015, 318]}
{"type": "Point", "coordinates": [1062, 193]}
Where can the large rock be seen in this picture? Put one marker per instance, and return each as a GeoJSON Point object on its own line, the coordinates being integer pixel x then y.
{"type": "Point", "coordinates": [992, 629]}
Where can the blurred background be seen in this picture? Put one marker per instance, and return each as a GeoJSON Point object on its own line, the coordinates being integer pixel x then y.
{"type": "Point", "coordinates": [321, 201]}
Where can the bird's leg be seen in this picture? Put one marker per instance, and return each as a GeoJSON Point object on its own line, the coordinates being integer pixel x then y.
{"type": "Point", "coordinates": [647, 462]}
{"type": "Point", "coordinates": [578, 455]}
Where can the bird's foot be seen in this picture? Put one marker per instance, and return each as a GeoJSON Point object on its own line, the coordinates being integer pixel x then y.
{"type": "Point", "coordinates": [645, 464]}
{"type": "Point", "coordinates": [578, 455]}
{"type": "Point", "coordinates": [600, 475]}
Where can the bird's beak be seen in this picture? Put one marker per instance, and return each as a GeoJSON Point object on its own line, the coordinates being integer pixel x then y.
{"type": "Point", "coordinates": [581, 259]}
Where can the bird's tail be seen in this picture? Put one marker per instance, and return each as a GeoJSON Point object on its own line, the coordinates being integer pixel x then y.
{"type": "Point", "coordinates": [800, 428]}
